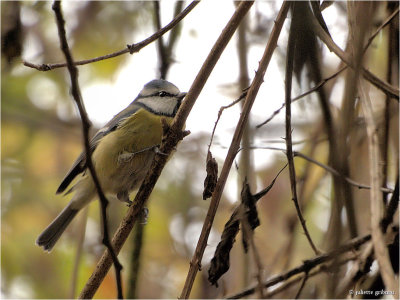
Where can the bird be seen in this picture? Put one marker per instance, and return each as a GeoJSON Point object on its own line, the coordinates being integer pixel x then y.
{"type": "Point", "coordinates": [122, 153]}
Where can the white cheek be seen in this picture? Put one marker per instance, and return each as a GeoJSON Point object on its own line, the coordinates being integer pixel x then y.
{"type": "Point", "coordinates": [162, 105]}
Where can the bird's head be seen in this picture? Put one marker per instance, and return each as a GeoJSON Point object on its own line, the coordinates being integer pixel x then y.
{"type": "Point", "coordinates": [161, 97]}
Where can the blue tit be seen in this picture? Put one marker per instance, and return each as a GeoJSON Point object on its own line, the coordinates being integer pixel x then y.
{"type": "Point", "coordinates": [122, 153]}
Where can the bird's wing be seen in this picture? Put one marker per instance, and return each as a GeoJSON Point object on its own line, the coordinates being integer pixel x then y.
{"type": "Point", "coordinates": [79, 165]}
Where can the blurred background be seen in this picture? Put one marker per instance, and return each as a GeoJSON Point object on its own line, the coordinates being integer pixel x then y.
{"type": "Point", "coordinates": [41, 138]}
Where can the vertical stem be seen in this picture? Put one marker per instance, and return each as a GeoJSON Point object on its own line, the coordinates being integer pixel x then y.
{"type": "Point", "coordinates": [291, 48]}
{"type": "Point", "coordinates": [137, 245]}
{"type": "Point", "coordinates": [392, 41]}
{"type": "Point", "coordinates": [244, 160]}
{"type": "Point", "coordinates": [378, 239]}
{"type": "Point", "coordinates": [79, 247]}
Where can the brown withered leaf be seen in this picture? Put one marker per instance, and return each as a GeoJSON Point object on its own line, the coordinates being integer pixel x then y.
{"type": "Point", "coordinates": [220, 262]}
{"type": "Point", "coordinates": [212, 176]}
{"type": "Point", "coordinates": [249, 213]}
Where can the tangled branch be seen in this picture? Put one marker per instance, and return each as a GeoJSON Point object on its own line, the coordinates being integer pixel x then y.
{"type": "Point", "coordinates": [130, 48]}
{"type": "Point", "coordinates": [75, 90]}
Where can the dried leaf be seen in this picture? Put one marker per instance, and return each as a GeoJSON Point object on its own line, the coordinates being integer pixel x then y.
{"type": "Point", "coordinates": [265, 191]}
{"type": "Point", "coordinates": [220, 262]}
{"type": "Point", "coordinates": [212, 176]}
{"type": "Point", "coordinates": [249, 213]}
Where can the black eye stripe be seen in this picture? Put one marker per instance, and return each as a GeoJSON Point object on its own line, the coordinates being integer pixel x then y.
{"type": "Point", "coordinates": [158, 94]}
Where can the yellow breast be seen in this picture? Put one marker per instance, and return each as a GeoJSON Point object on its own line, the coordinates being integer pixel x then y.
{"type": "Point", "coordinates": [140, 131]}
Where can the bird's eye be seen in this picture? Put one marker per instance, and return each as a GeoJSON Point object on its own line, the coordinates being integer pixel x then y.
{"type": "Point", "coordinates": [162, 94]}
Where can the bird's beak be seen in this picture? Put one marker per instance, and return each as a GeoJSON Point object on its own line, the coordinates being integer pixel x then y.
{"type": "Point", "coordinates": [181, 95]}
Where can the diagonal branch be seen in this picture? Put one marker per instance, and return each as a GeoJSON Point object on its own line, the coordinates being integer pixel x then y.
{"type": "Point", "coordinates": [307, 265]}
{"type": "Point", "coordinates": [172, 136]}
{"type": "Point", "coordinates": [75, 90]}
{"type": "Point", "coordinates": [326, 167]}
{"type": "Point", "coordinates": [322, 268]}
{"type": "Point", "coordinates": [388, 20]}
{"type": "Point", "coordinates": [129, 49]}
{"type": "Point", "coordinates": [382, 85]}
{"type": "Point", "coordinates": [312, 90]}
{"type": "Point", "coordinates": [257, 81]}
{"type": "Point", "coordinates": [324, 81]}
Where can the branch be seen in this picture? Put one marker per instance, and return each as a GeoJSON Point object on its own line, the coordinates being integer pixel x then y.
{"type": "Point", "coordinates": [322, 268]}
{"type": "Point", "coordinates": [324, 81]}
{"type": "Point", "coordinates": [243, 214]}
{"type": "Point", "coordinates": [307, 265]}
{"type": "Point", "coordinates": [382, 85]}
{"type": "Point", "coordinates": [170, 139]}
{"type": "Point", "coordinates": [78, 254]}
{"type": "Point", "coordinates": [76, 93]}
{"type": "Point", "coordinates": [129, 48]}
{"type": "Point", "coordinates": [391, 207]}
{"type": "Point", "coordinates": [388, 20]}
{"type": "Point", "coordinates": [258, 79]}
{"type": "Point", "coordinates": [312, 90]}
{"type": "Point", "coordinates": [302, 285]}
{"type": "Point", "coordinates": [135, 261]}
{"type": "Point", "coordinates": [221, 109]}
{"type": "Point", "coordinates": [248, 231]}
{"type": "Point", "coordinates": [336, 173]}
{"type": "Point", "coordinates": [378, 239]}
{"type": "Point", "coordinates": [326, 167]}
{"type": "Point", "coordinates": [291, 47]}
{"type": "Point", "coordinates": [165, 49]}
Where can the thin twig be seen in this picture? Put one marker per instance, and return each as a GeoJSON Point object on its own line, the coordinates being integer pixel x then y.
{"type": "Point", "coordinates": [75, 90]}
{"type": "Point", "coordinates": [165, 48]}
{"type": "Point", "coordinates": [256, 256]}
{"type": "Point", "coordinates": [221, 109]}
{"type": "Point", "coordinates": [78, 254]}
{"type": "Point", "coordinates": [391, 207]}
{"type": "Point", "coordinates": [289, 283]}
{"type": "Point", "coordinates": [135, 259]}
{"type": "Point", "coordinates": [358, 270]}
{"type": "Point", "coordinates": [258, 79]}
{"type": "Point", "coordinates": [293, 36]}
{"type": "Point", "coordinates": [324, 81]}
{"type": "Point", "coordinates": [231, 27]}
{"type": "Point", "coordinates": [380, 84]}
{"type": "Point", "coordinates": [326, 167]}
{"type": "Point", "coordinates": [302, 285]}
{"type": "Point", "coordinates": [383, 25]}
{"type": "Point", "coordinates": [365, 259]}
{"type": "Point", "coordinates": [132, 48]}
{"type": "Point", "coordinates": [378, 239]}
{"type": "Point", "coordinates": [336, 173]}
{"type": "Point", "coordinates": [170, 139]}
{"type": "Point", "coordinates": [307, 265]}
{"type": "Point", "coordinates": [312, 90]}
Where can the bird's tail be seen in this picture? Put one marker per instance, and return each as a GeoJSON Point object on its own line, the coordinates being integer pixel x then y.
{"type": "Point", "coordinates": [48, 238]}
